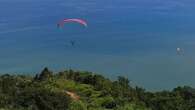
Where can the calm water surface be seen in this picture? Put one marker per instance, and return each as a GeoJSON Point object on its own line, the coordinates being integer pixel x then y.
{"type": "Point", "coordinates": [133, 38]}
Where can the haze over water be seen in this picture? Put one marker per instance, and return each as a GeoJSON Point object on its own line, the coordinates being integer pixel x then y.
{"type": "Point", "coordinates": [132, 38]}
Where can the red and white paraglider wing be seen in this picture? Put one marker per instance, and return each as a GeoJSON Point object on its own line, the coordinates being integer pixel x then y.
{"type": "Point", "coordinates": [80, 21]}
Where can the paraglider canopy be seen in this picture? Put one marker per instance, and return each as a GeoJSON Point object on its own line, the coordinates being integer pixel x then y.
{"type": "Point", "coordinates": [180, 51]}
{"type": "Point", "coordinates": [80, 21]}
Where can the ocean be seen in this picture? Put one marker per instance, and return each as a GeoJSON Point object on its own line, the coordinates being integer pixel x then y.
{"type": "Point", "coordinates": [132, 38]}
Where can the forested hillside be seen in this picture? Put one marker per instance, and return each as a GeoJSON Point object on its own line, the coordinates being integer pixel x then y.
{"type": "Point", "coordinates": [78, 90]}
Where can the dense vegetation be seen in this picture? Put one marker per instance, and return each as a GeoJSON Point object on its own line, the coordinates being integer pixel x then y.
{"type": "Point", "coordinates": [74, 90]}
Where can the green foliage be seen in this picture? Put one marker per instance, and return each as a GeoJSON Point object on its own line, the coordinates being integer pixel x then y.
{"type": "Point", "coordinates": [132, 107]}
{"type": "Point", "coordinates": [47, 91]}
{"type": "Point", "coordinates": [77, 105]}
{"type": "Point", "coordinates": [45, 74]}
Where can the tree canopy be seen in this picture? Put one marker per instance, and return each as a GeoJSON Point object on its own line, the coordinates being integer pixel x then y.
{"type": "Point", "coordinates": [52, 91]}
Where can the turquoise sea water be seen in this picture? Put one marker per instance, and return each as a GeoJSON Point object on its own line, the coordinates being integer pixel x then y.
{"type": "Point", "coordinates": [133, 38]}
